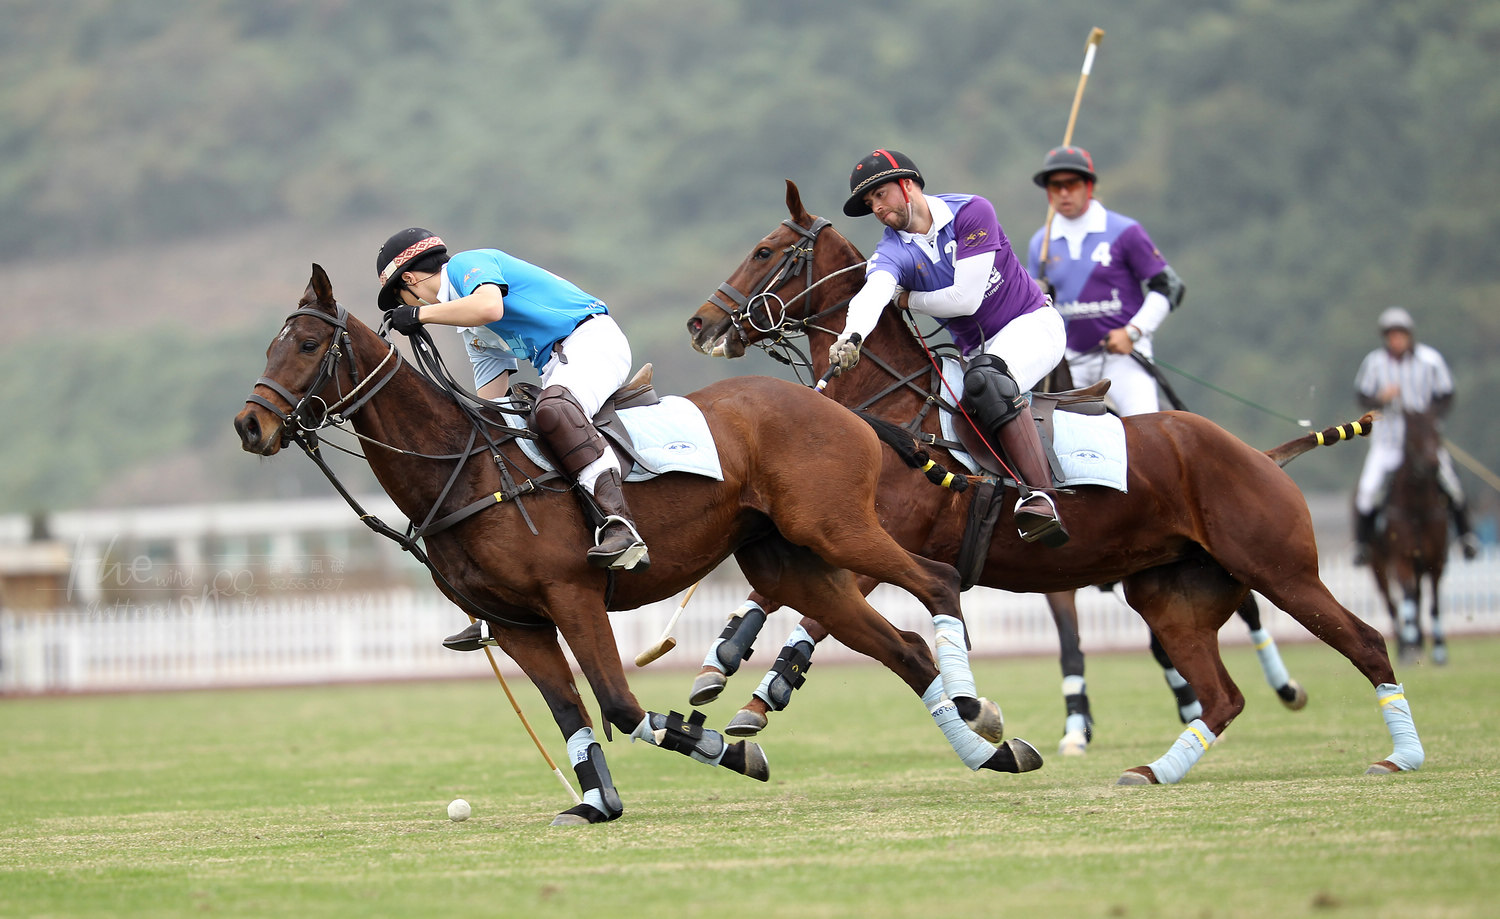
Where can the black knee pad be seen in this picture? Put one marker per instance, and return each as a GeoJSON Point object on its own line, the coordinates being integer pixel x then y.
{"type": "Point", "coordinates": [991, 394]}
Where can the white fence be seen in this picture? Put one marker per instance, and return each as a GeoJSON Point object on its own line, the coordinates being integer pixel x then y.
{"type": "Point", "coordinates": [396, 635]}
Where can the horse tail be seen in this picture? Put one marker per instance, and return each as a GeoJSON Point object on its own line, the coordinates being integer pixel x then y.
{"type": "Point", "coordinates": [1294, 448]}
{"type": "Point", "coordinates": [901, 440]}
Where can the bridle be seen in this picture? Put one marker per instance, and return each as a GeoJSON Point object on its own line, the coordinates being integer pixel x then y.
{"type": "Point", "coordinates": [310, 413]}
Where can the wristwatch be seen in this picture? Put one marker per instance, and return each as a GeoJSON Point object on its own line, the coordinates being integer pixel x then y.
{"type": "Point", "coordinates": [1133, 333]}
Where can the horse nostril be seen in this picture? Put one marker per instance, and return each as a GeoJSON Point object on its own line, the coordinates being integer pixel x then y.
{"type": "Point", "coordinates": [695, 325]}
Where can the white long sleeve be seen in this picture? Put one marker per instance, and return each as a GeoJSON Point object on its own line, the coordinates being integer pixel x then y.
{"type": "Point", "coordinates": [971, 276]}
{"type": "Point", "coordinates": [865, 307]}
{"type": "Point", "coordinates": [1152, 314]}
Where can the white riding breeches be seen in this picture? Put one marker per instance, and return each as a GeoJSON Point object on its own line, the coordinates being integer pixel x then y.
{"type": "Point", "coordinates": [595, 361]}
{"type": "Point", "coordinates": [1384, 459]}
{"type": "Point", "coordinates": [1031, 345]}
{"type": "Point", "coordinates": [1132, 388]}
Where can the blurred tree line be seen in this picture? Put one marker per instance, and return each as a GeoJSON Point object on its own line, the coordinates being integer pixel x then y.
{"type": "Point", "coordinates": [1302, 165]}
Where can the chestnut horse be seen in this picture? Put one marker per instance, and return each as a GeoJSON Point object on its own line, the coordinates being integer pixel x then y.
{"type": "Point", "coordinates": [1206, 518]}
{"type": "Point", "coordinates": [1412, 543]}
{"type": "Point", "coordinates": [783, 449]}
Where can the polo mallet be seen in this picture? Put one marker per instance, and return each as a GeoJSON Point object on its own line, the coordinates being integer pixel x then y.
{"type": "Point", "coordinates": [527, 724]}
{"type": "Point", "coordinates": [1089, 49]}
{"type": "Point", "coordinates": [833, 369]}
{"type": "Point", "coordinates": [666, 642]}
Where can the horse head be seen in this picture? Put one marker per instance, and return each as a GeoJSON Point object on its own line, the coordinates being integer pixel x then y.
{"type": "Point", "coordinates": [771, 292]}
{"type": "Point", "coordinates": [310, 373]}
{"type": "Point", "coordinates": [1422, 440]}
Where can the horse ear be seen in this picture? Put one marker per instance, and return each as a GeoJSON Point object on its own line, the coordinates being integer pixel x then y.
{"type": "Point", "coordinates": [799, 213]}
{"type": "Point", "coordinates": [320, 288]}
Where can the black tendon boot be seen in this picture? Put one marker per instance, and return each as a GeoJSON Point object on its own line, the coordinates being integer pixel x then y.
{"type": "Point", "coordinates": [1036, 515]}
{"type": "Point", "coordinates": [620, 545]}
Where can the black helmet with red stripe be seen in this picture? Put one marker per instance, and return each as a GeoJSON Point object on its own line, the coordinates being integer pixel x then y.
{"type": "Point", "coordinates": [413, 244]}
{"type": "Point", "coordinates": [875, 170]}
{"type": "Point", "coordinates": [1066, 159]}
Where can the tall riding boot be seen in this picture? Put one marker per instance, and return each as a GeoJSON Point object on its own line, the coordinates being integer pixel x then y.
{"type": "Point", "coordinates": [620, 545]}
{"type": "Point", "coordinates": [1364, 536]}
{"type": "Point", "coordinates": [1036, 515]}
{"type": "Point", "coordinates": [1466, 538]}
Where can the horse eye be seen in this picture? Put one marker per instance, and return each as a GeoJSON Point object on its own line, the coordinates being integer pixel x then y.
{"type": "Point", "coordinates": [309, 345]}
{"type": "Point", "coordinates": [763, 253]}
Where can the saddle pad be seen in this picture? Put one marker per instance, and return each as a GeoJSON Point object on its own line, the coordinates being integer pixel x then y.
{"type": "Point", "coordinates": [1090, 448]}
{"type": "Point", "coordinates": [670, 436]}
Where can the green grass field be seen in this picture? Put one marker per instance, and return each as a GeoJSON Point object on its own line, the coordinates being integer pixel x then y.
{"type": "Point", "coordinates": [331, 802]}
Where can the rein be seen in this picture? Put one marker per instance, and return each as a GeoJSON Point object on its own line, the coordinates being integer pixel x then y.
{"type": "Point", "coordinates": [309, 414]}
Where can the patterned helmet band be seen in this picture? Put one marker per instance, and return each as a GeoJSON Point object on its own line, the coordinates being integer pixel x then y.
{"type": "Point", "coordinates": [880, 178]}
{"type": "Point", "coordinates": [394, 266]}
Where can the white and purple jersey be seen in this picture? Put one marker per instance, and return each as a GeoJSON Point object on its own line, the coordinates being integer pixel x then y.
{"type": "Point", "coordinates": [1420, 376]}
{"type": "Point", "coordinates": [926, 266]}
{"type": "Point", "coordinates": [1098, 266]}
{"type": "Point", "coordinates": [540, 307]}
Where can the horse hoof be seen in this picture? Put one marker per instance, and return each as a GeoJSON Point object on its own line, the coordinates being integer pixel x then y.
{"type": "Point", "coordinates": [707, 687]}
{"type": "Point", "coordinates": [583, 815]}
{"type": "Point", "coordinates": [745, 723]}
{"type": "Point", "coordinates": [1384, 767]}
{"type": "Point", "coordinates": [990, 724]}
{"type": "Point", "coordinates": [1028, 758]}
{"type": "Point", "coordinates": [1074, 743]}
{"type": "Point", "coordinates": [1138, 775]}
{"type": "Point", "coordinates": [757, 766]}
{"type": "Point", "coordinates": [1293, 696]}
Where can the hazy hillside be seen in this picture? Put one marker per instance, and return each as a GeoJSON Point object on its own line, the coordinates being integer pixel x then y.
{"type": "Point", "coordinates": [172, 169]}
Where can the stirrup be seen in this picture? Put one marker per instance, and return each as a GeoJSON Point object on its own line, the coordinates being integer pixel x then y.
{"type": "Point", "coordinates": [1034, 527]}
{"type": "Point", "coordinates": [476, 636]}
{"type": "Point", "coordinates": [632, 556]}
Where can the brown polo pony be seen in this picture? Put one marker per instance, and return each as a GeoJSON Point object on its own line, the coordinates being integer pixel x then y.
{"type": "Point", "coordinates": [1206, 518]}
{"type": "Point", "coordinates": [1411, 546]}
{"type": "Point", "coordinates": [785, 452]}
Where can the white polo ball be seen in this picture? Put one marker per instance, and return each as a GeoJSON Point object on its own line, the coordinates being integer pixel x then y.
{"type": "Point", "coordinates": [459, 810]}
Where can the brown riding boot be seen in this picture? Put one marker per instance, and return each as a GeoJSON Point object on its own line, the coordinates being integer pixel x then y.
{"type": "Point", "coordinates": [620, 545]}
{"type": "Point", "coordinates": [1036, 515]}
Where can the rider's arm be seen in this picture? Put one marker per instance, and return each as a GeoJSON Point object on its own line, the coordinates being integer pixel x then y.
{"type": "Point", "coordinates": [971, 276]}
{"type": "Point", "coordinates": [865, 306]}
{"type": "Point", "coordinates": [485, 305]}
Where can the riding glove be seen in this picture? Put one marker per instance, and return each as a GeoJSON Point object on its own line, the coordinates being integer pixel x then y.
{"type": "Point", "coordinates": [843, 354]}
{"type": "Point", "coordinates": [404, 319]}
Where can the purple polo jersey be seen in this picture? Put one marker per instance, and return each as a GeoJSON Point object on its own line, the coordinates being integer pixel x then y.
{"type": "Point", "coordinates": [1101, 289]}
{"type": "Point", "coordinates": [974, 230]}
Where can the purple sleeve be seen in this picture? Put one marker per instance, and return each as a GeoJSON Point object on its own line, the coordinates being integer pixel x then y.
{"type": "Point", "coordinates": [977, 230]}
{"type": "Point", "coordinates": [1141, 254]}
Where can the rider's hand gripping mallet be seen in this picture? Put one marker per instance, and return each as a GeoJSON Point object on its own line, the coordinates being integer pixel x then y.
{"type": "Point", "coordinates": [666, 642]}
{"type": "Point", "coordinates": [833, 369]}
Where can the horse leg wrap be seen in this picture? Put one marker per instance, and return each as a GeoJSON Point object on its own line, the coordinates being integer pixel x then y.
{"type": "Point", "coordinates": [1410, 633]}
{"type": "Point", "coordinates": [1188, 706]}
{"type": "Point", "coordinates": [1186, 750]}
{"type": "Point", "coordinates": [1270, 659]}
{"type": "Point", "coordinates": [1076, 700]}
{"type": "Point", "coordinates": [686, 736]}
{"type": "Point", "coordinates": [953, 658]}
{"type": "Point", "coordinates": [593, 774]}
{"type": "Point", "coordinates": [1408, 754]}
{"type": "Point", "coordinates": [974, 750]}
{"type": "Point", "coordinates": [788, 673]}
{"type": "Point", "coordinates": [736, 643]}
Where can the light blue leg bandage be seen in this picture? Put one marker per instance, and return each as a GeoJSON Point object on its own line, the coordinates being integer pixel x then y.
{"type": "Point", "coordinates": [1186, 750]}
{"type": "Point", "coordinates": [1408, 753]}
{"type": "Point", "coordinates": [1270, 658]}
{"type": "Point", "coordinates": [953, 658]}
{"type": "Point", "coordinates": [1408, 614]}
{"type": "Point", "coordinates": [974, 750]}
{"type": "Point", "coordinates": [1077, 721]}
{"type": "Point", "coordinates": [578, 752]}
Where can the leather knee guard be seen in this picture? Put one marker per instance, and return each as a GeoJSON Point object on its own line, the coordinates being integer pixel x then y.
{"type": "Point", "coordinates": [561, 424]}
{"type": "Point", "coordinates": [991, 394]}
